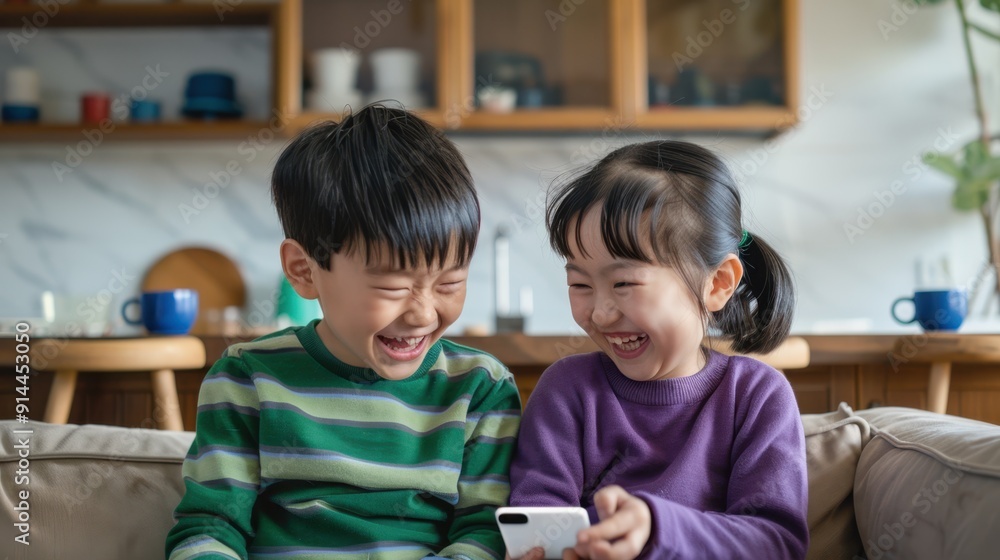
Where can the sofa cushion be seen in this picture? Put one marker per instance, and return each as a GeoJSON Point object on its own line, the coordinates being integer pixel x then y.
{"type": "Point", "coordinates": [928, 486]}
{"type": "Point", "coordinates": [834, 442]}
{"type": "Point", "coordinates": [98, 491]}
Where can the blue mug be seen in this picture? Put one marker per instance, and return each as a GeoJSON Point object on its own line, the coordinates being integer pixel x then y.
{"type": "Point", "coordinates": [936, 310]}
{"type": "Point", "coordinates": [145, 111]}
{"type": "Point", "coordinates": [169, 312]}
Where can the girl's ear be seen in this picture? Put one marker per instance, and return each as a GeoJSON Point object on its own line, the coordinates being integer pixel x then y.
{"type": "Point", "coordinates": [299, 268]}
{"type": "Point", "coordinates": [719, 287]}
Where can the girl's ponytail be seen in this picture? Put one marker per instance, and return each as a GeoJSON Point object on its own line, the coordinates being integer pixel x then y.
{"type": "Point", "coordinates": [759, 315]}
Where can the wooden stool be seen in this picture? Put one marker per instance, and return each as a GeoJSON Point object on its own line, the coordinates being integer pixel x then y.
{"type": "Point", "coordinates": [158, 355]}
{"type": "Point", "coordinates": [940, 350]}
{"type": "Point", "coordinates": [793, 353]}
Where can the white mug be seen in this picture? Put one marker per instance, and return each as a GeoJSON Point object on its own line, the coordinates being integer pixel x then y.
{"type": "Point", "coordinates": [22, 86]}
{"type": "Point", "coordinates": [335, 70]}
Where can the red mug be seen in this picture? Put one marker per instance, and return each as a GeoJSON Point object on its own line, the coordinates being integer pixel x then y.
{"type": "Point", "coordinates": [95, 107]}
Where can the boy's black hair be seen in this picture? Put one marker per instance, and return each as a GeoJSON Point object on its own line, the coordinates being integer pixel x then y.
{"type": "Point", "coordinates": [380, 181]}
{"type": "Point", "coordinates": [682, 200]}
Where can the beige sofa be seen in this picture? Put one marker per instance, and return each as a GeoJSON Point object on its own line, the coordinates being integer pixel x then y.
{"type": "Point", "coordinates": [906, 484]}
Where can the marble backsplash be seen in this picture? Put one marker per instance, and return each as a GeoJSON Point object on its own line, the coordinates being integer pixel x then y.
{"type": "Point", "coordinates": [871, 104]}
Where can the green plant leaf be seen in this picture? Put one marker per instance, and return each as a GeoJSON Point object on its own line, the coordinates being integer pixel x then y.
{"type": "Point", "coordinates": [975, 154]}
{"type": "Point", "coordinates": [944, 163]}
{"type": "Point", "coordinates": [987, 170]}
{"type": "Point", "coordinates": [991, 4]}
{"type": "Point", "coordinates": [970, 195]}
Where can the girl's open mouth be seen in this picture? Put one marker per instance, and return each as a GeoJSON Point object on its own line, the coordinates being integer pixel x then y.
{"type": "Point", "coordinates": [628, 347]}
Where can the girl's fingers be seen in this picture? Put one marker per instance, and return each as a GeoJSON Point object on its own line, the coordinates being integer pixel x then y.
{"type": "Point", "coordinates": [570, 554]}
{"type": "Point", "coordinates": [610, 529]}
{"type": "Point", "coordinates": [608, 499]}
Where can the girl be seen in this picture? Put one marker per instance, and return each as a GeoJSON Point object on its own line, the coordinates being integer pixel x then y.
{"type": "Point", "coordinates": [676, 451]}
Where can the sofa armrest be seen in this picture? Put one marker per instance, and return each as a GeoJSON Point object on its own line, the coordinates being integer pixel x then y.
{"type": "Point", "coordinates": [927, 486]}
{"type": "Point", "coordinates": [93, 492]}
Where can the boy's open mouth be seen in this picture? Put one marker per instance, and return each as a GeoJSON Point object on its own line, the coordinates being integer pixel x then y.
{"type": "Point", "coordinates": [628, 346]}
{"type": "Point", "coordinates": [403, 348]}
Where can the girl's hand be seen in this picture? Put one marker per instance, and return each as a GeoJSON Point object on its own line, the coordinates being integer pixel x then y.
{"type": "Point", "coordinates": [626, 523]}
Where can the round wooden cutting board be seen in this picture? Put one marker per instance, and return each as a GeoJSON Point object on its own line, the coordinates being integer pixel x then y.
{"type": "Point", "coordinates": [214, 275]}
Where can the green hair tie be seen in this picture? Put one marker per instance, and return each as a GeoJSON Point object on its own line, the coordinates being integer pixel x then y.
{"type": "Point", "coordinates": [745, 240]}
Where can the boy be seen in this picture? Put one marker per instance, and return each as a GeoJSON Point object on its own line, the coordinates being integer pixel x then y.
{"type": "Point", "coordinates": [363, 434]}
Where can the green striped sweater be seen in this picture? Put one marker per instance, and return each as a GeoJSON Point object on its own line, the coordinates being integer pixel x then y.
{"type": "Point", "coordinates": [298, 455]}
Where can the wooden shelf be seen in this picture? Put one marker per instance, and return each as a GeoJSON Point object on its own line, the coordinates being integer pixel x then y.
{"type": "Point", "coordinates": [179, 130]}
{"type": "Point", "coordinates": [547, 118]}
{"type": "Point", "coordinates": [137, 15]}
{"type": "Point", "coordinates": [729, 118]}
{"type": "Point", "coordinates": [305, 120]}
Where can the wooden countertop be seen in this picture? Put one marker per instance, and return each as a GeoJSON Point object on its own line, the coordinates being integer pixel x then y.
{"type": "Point", "coordinates": [521, 350]}
{"type": "Point", "coordinates": [517, 350]}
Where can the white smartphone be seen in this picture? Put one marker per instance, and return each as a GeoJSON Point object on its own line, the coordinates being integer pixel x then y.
{"type": "Point", "coordinates": [552, 528]}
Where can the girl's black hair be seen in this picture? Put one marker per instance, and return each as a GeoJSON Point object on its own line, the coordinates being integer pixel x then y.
{"type": "Point", "coordinates": [380, 180]}
{"type": "Point", "coordinates": [681, 199]}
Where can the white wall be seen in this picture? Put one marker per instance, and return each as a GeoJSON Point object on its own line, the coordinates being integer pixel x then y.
{"type": "Point", "coordinates": [886, 100]}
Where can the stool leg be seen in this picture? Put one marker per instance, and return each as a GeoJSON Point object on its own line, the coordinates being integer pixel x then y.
{"type": "Point", "coordinates": [60, 397]}
{"type": "Point", "coordinates": [165, 401]}
{"type": "Point", "coordinates": [937, 390]}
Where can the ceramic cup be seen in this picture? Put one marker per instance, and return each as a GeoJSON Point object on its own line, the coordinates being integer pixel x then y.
{"type": "Point", "coordinates": [396, 69]}
{"type": "Point", "coordinates": [335, 70]}
{"type": "Point", "coordinates": [95, 106]}
{"type": "Point", "coordinates": [936, 310]}
{"type": "Point", "coordinates": [168, 312]}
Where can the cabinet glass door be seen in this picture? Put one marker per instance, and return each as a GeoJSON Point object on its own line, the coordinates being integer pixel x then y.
{"type": "Point", "coordinates": [540, 64]}
{"type": "Point", "coordinates": [356, 52]}
{"type": "Point", "coordinates": [727, 56]}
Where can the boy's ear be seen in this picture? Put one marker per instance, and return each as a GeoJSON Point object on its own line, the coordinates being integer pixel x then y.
{"type": "Point", "coordinates": [722, 283]}
{"type": "Point", "coordinates": [299, 268]}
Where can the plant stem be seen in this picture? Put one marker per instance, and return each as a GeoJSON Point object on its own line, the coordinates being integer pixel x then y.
{"type": "Point", "coordinates": [984, 31]}
{"type": "Point", "coordinates": [974, 73]}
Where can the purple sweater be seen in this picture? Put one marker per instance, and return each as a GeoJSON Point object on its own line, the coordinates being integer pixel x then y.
{"type": "Point", "coordinates": [719, 456]}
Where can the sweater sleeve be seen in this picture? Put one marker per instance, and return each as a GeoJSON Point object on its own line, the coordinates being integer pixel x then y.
{"type": "Point", "coordinates": [767, 496]}
{"type": "Point", "coordinates": [548, 465]}
{"type": "Point", "coordinates": [222, 469]}
{"type": "Point", "coordinates": [484, 483]}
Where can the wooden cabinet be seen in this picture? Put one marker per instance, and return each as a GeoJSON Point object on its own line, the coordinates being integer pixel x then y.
{"type": "Point", "coordinates": [578, 64]}
{"type": "Point", "coordinates": [21, 22]}
{"type": "Point", "coordinates": [569, 64]}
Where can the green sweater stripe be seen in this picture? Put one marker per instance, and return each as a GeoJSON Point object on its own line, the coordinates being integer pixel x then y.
{"type": "Point", "coordinates": [299, 455]}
